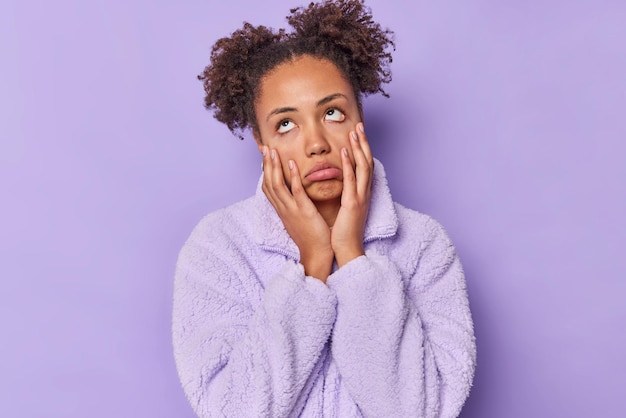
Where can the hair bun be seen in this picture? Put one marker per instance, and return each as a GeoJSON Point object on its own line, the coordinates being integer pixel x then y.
{"type": "Point", "coordinates": [348, 26]}
{"type": "Point", "coordinates": [225, 80]}
{"type": "Point", "coordinates": [328, 19]}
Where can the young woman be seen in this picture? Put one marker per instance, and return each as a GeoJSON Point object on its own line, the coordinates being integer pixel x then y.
{"type": "Point", "coordinates": [319, 296]}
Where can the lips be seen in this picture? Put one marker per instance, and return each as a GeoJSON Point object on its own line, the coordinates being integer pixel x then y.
{"type": "Point", "coordinates": [324, 171]}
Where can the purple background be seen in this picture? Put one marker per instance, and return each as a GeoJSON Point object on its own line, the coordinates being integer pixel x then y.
{"type": "Point", "coordinates": [506, 123]}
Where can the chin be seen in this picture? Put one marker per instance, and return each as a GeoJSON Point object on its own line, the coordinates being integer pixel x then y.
{"type": "Point", "coordinates": [325, 191]}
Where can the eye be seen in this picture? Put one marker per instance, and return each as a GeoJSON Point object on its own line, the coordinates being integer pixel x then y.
{"type": "Point", "coordinates": [284, 126]}
{"type": "Point", "coordinates": [334, 115]}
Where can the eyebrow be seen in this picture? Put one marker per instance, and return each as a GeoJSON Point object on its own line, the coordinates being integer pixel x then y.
{"type": "Point", "coordinates": [320, 103]}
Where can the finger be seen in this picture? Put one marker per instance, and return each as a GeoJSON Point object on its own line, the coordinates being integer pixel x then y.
{"type": "Point", "coordinates": [365, 145]}
{"type": "Point", "coordinates": [349, 176]}
{"type": "Point", "coordinates": [273, 183]}
{"type": "Point", "coordinates": [297, 189]}
{"type": "Point", "coordinates": [363, 165]}
{"type": "Point", "coordinates": [267, 169]}
{"type": "Point", "coordinates": [279, 188]}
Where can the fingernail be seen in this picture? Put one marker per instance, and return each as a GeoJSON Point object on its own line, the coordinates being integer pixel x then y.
{"type": "Point", "coordinates": [344, 152]}
{"type": "Point", "coordinates": [353, 136]}
{"type": "Point", "coordinates": [272, 154]}
{"type": "Point", "coordinates": [264, 151]}
{"type": "Point", "coordinates": [361, 128]}
{"type": "Point", "coordinates": [291, 164]}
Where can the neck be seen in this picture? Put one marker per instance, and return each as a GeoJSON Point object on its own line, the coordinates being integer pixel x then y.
{"type": "Point", "coordinates": [329, 210]}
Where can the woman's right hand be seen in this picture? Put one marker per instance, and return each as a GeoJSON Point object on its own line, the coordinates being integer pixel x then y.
{"type": "Point", "coordinates": [301, 218]}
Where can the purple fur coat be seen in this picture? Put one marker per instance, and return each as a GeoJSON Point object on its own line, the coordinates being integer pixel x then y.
{"type": "Point", "coordinates": [389, 335]}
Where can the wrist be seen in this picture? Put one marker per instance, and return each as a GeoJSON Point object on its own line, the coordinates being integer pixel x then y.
{"type": "Point", "coordinates": [318, 264]}
{"type": "Point", "coordinates": [346, 255]}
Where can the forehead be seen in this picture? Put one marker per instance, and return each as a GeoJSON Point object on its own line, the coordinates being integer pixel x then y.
{"type": "Point", "coordinates": [302, 80]}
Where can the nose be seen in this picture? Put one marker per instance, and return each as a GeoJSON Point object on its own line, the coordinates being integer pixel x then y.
{"type": "Point", "coordinates": [316, 142]}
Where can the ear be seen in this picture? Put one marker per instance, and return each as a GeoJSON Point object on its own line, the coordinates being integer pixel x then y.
{"type": "Point", "coordinates": [257, 137]}
{"type": "Point", "coordinates": [360, 107]}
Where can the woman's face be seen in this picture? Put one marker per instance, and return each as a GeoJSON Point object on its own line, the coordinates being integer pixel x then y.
{"type": "Point", "coordinates": [305, 111]}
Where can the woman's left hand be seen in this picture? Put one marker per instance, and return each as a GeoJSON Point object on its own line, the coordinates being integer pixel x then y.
{"type": "Point", "coordinates": [347, 233]}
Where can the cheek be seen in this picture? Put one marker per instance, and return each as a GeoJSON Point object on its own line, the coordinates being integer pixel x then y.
{"type": "Point", "coordinates": [341, 139]}
{"type": "Point", "coordinates": [286, 154]}
{"type": "Point", "coordinates": [286, 173]}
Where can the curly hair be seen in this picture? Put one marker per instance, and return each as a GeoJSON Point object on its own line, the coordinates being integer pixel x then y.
{"type": "Point", "coordinates": [341, 31]}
